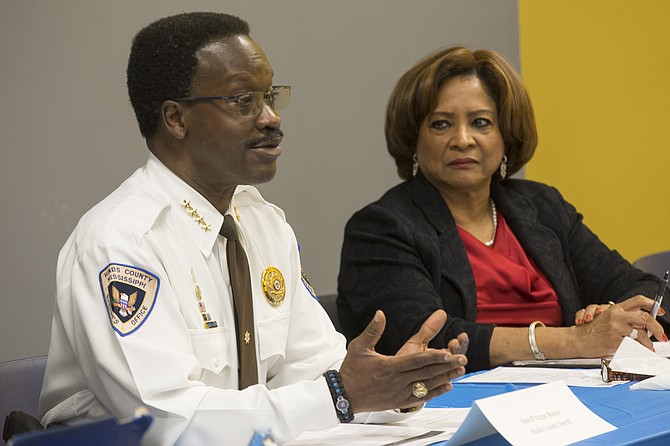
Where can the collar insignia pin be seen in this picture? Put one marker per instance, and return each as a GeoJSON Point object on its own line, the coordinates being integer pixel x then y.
{"type": "Point", "coordinates": [186, 204]}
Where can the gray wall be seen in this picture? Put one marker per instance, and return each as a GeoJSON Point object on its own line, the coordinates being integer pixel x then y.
{"type": "Point", "coordinates": [69, 137]}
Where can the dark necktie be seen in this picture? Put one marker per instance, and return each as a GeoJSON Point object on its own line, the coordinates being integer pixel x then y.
{"type": "Point", "coordinates": [240, 281]}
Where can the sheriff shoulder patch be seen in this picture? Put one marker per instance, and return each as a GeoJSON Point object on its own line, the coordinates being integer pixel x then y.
{"type": "Point", "coordinates": [305, 281]}
{"type": "Point", "coordinates": [130, 294]}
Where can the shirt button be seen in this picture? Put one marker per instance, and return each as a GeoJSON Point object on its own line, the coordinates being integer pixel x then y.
{"type": "Point", "coordinates": [216, 362]}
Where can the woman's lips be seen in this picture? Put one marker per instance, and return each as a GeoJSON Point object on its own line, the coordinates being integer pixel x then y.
{"type": "Point", "coordinates": [462, 163]}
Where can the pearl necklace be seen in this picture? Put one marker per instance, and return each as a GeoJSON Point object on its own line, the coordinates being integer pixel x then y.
{"type": "Point", "coordinates": [495, 224]}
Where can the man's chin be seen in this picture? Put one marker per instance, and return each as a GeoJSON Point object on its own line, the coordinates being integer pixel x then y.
{"type": "Point", "coordinates": [264, 175]}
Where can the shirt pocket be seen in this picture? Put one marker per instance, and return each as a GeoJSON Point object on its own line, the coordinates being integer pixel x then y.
{"type": "Point", "coordinates": [210, 348]}
{"type": "Point", "coordinates": [272, 336]}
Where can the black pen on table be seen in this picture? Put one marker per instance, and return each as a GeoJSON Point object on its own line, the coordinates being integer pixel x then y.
{"type": "Point", "coordinates": [659, 296]}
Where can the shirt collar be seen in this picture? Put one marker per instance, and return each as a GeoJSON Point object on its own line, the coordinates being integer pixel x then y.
{"type": "Point", "coordinates": [197, 215]}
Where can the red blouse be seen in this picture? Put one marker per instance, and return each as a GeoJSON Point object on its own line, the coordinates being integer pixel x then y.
{"type": "Point", "coordinates": [511, 290]}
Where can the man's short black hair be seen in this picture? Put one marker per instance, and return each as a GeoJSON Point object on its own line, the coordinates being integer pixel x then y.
{"type": "Point", "coordinates": [162, 59]}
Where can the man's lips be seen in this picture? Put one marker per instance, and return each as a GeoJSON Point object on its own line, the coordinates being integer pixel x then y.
{"type": "Point", "coordinates": [266, 144]}
{"type": "Point", "coordinates": [267, 150]}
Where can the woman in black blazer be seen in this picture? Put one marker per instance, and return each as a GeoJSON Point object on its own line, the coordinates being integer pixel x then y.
{"type": "Point", "coordinates": [509, 260]}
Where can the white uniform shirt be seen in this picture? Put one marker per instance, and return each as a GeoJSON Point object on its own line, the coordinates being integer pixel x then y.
{"type": "Point", "coordinates": [128, 328]}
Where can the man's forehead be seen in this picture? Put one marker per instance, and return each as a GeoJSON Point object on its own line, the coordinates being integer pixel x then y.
{"type": "Point", "coordinates": [236, 49]}
{"type": "Point", "coordinates": [236, 58]}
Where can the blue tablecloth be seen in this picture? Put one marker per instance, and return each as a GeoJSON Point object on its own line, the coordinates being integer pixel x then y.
{"type": "Point", "coordinates": [641, 416]}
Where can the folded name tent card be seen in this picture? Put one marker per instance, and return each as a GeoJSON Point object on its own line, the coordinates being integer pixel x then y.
{"type": "Point", "coordinates": [548, 414]}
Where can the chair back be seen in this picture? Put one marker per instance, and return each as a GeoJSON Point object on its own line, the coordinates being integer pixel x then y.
{"type": "Point", "coordinates": [656, 264]}
{"type": "Point", "coordinates": [20, 385]}
{"type": "Point", "coordinates": [104, 432]}
{"type": "Point", "coordinates": [329, 303]}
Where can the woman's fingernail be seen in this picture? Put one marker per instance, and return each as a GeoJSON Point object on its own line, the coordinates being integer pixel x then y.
{"type": "Point", "coordinates": [665, 338]}
{"type": "Point", "coordinates": [661, 311]}
{"type": "Point", "coordinates": [580, 321]}
{"type": "Point", "coordinates": [588, 317]}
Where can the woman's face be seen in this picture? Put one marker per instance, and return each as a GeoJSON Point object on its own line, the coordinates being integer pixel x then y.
{"type": "Point", "coordinates": [460, 146]}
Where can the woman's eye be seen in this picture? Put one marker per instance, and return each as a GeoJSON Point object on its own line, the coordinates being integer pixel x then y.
{"type": "Point", "coordinates": [439, 124]}
{"type": "Point", "coordinates": [482, 122]}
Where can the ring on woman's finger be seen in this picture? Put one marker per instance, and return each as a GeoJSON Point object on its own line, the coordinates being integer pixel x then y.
{"type": "Point", "coordinates": [419, 389]}
{"type": "Point", "coordinates": [611, 303]}
{"type": "Point", "coordinates": [633, 334]}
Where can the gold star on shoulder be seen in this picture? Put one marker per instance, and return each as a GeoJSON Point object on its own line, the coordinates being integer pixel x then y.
{"type": "Point", "coordinates": [247, 337]}
{"type": "Point", "coordinates": [237, 214]}
{"type": "Point", "coordinates": [193, 212]}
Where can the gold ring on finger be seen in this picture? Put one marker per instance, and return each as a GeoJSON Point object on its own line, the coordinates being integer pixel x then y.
{"type": "Point", "coordinates": [419, 389]}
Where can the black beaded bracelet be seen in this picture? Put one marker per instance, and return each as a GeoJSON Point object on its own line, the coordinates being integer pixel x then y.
{"type": "Point", "coordinates": [344, 412]}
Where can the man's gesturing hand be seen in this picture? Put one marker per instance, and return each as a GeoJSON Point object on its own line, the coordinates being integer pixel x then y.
{"type": "Point", "coordinates": [377, 382]}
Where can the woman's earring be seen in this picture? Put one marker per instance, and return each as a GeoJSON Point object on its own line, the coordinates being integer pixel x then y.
{"type": "Point", "coordinates": [503, 167]}
{"type": "Point", "coordinates": [415, 166]}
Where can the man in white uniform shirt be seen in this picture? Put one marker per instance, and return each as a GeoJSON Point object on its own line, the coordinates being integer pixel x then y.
{"type": "Point", "coordinates": [144, 312]}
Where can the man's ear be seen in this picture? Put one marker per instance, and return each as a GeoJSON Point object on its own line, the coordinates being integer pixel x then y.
{"type": "Point", "coordinates": [173, 119]}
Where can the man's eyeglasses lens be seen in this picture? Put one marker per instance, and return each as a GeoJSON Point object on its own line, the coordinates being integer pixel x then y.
{"type": "Point", "coordinates": [250, 103]}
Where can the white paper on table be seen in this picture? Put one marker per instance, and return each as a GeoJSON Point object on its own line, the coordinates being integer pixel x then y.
{"type": "Point", "coordinates": [536, 375]}
{"type": "Point", "coordinates": [662, 349]}
{"type": "Point", "coordinates": [434, 418]}
{"type": "Point", "coordinates": [633, 357]}
{"type": "Point", "coordinates": [429, 417]}
{"type": "Point", "coordinates": [549, 414]}
{"type": "Point", "coordinates": [425, 427]}
{"type": "Point", "coordinates": [658, 382]}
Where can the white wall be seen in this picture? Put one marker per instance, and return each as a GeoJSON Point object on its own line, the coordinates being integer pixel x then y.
{"type": "Point", "coordinates": [69, 136]}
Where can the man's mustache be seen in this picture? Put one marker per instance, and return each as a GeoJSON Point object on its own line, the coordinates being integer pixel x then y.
{"type": "Point", "coordinates": [270, 138]}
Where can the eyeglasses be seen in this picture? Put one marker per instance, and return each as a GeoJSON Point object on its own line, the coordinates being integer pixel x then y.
{"type": "Point", "coordinates": [609, 375]}
{"type": "Point", "coordinates": [249, 103]}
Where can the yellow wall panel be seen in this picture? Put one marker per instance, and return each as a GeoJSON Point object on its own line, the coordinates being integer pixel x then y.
{"type": "Point", "coordinates": [598, 72]}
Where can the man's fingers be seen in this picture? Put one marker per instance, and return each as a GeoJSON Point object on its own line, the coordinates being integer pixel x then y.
{"type": "Point", "coordinates": [436, 386]}
{"type": "Point", "coordinates": [373, 332]}
{"type": "Point", "coordinates": [430, 327]}
{"type": "Point", "coordinates": [459, 346]}
{"type": "Point", "coordinates": [427, 364]}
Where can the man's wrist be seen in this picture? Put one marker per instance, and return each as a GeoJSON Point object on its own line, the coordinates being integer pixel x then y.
{"type": "Point", "coordinates": [339, 395]}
